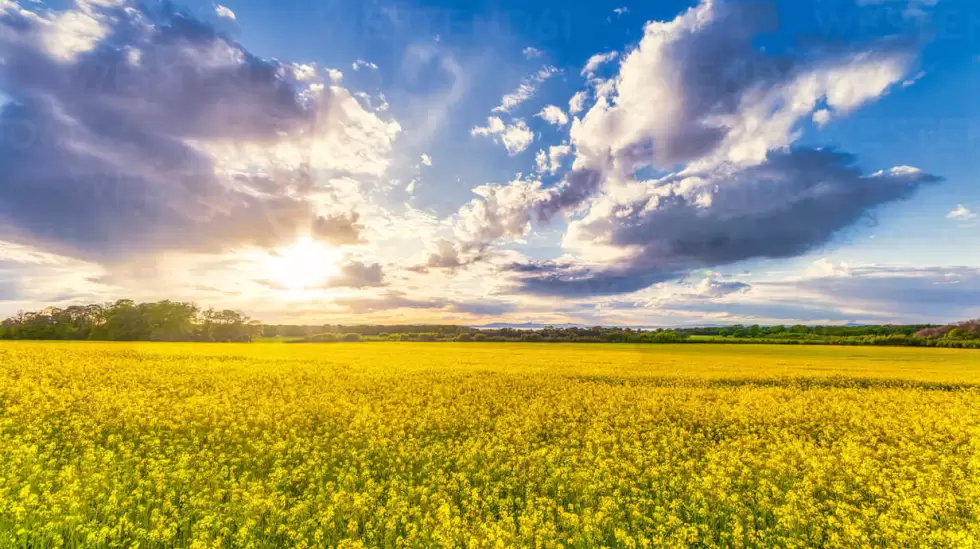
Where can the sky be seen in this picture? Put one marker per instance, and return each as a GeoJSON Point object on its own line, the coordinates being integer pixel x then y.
{"type": "Point", "coordinates": [665, 163]}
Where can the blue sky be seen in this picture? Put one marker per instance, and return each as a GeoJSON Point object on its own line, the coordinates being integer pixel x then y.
{"type": "Point", "coordinates": [383, 161]}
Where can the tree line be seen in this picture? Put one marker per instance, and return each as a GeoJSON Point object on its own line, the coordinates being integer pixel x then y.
{"type": "Point", "coordinates": [126, 320]}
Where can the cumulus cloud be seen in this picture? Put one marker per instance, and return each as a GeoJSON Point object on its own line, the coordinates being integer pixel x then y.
{"type": "Point", "coordinates": [187, 142]}
{"type": "Point", "coordinates": [697, 93]}
{"type": "Point", "coordinates": [531, 52]}
{"type": "Point", "coordinates": [527, 88]}
{"type": "Point", "coordinates": [445, 256]}
{"type": "Point", "coordinates": [697, 89]}
{"type": "Point", "coordinates": [515, 137]}
{"type": "Point", "coordinates": [550, 161]}
{"type": "Point", "coordinates": [821, 117]}
{"type": "Point", "coordinates": [356, 274]}
{"type": "Point", "coordinates": [577, 103]}
{"type": "Point", "coordinates": [710, 288]}
{"type": "Point", "coordinates": [504, 212]}
{"type": "Point", "coordinates": [362, 64]}
{"type": "Point", "coordinates": [597, 61]}
{"type": "Point", "coordinates": [553, 115]}
{"type": "Point", "coordinates": [791, 204]}
{"type": "Point", "coordinates": [222, 11]}
{"type": "Point", "coordinates": [961, 213]}
{"type": "Point", "coordinates": [337, 229]}
{"type": "Point", "coordinates": [335, 76]}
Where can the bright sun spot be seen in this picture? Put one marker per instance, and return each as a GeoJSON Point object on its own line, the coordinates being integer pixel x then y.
{"type": "Point", "coordinates": [304, 265]}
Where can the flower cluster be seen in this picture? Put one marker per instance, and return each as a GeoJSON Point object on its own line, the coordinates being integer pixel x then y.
{"type": "Point", "coordinates": [482, 445]}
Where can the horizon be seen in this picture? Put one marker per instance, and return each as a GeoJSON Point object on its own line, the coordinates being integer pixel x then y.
{"type": "Point", "coordinates": [677, 164]}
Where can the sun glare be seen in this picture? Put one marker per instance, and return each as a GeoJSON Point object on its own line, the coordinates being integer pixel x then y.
{"type": "Point", "coordinates": [304, 265]}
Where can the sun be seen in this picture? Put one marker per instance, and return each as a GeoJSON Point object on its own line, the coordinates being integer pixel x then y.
{"type": "Point", "coordinates": [304, 265]}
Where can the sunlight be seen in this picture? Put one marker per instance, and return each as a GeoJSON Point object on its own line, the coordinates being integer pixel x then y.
{"type": "Point", "coordinates": [304, 265]}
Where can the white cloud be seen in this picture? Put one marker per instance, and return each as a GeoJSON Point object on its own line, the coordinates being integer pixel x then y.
{"type": "Point", "coordinates": [550, 161]}
{"type": "Point", "coordinates": [67, 34]}
{"type": "Point", "coordinates": [251, 162]}
{"type": "Point", "coordinates": [911, 81]}
{"type": "Point", "coordinates": [597, 61]}
{"type": "Point", "coordinates": [698, 93]}
{"type": "Point", "coordinates": [577, 103]}
{"type": "Point", "coordinates": [961, 213]}
{"type": "Point", "coordinates": [362, 64]}
{"type": "Point", "coordinates": [335, 76]}
{"type": "Point", "coordinates": [516, 137]}
{"type": "Point", "coordinates": [526, 89]}
{"type": "Point", "coordinates": [826, 267]}
{"type": "Point", "coordinates": [676, 93]}
{"type": "Point", "coordinates": [303, 72]}
{"type": "Point", "coordinates": [531, 52]}
{"type": "Point", "coordinates": [426, 160]}
{"type": "Point", "coordinates": [621, 11]}
{"type": "Point", "coordinates": [222, 11]}
{"type": "Point", "coordinates": [553, 115]}
{"type": "Point", "coordinates": [515, 98]}
{"type": "Point", "coordinates": [821, 118]}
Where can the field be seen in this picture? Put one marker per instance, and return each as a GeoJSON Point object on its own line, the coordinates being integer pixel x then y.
{"type": "Point", "coordinates": [487, 445]}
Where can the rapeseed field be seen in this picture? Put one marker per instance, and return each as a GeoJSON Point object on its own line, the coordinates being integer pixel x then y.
{"type": "Point", "coordinates": [487, 445]}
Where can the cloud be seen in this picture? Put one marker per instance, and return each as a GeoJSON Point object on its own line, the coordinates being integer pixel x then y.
{"type": "Point", "coordinates": [303, 72]}
{"type": "Point", "coordinates": [577, 103]}
{"type": "Point", "coordinates": [709, 288]}
{"type": "Point", "coordinates": [597, 61]}
{"type": "Point", "coordinates": [222, 11]}
{"type": "Point", "coordinates": [358, 275]}
{"type": "Point", "coordinates": [188, 142]}
{"type": "Point", "coordinates": [914, 9]}
{"type": "Point", "coordinates": [335, 76]}
{"type": "Point", "coordinates": [621, 11]}
{"type": "Point", "coordinates": [698, 94]}
{"type": "Point", "coordinates": [911, 81]}
{"type": "Point", "coordinates": [362, 64]}
{"type": "Point", "coordinates": [821, 117]}
{"type": "Point", "coordinates": [551, 161]}
{"type": "Point", "coordinates": [697, 89]}
{"type": "Point", "coordinates": [526, 89]}
{"type": "Point", "coordinates": [530, 52]}
{"type": "Point", "coordinates": [961, 213]}
{"type": "Point", "coordinates": [793, 203]}
{"type": "Point", "coordinates": [426, 160]}
{"type": "Point", "coordinates": [890, 293]}
{"type": "Point", "coordinates": [553, 115]}
{"type": "Point", "coordinates": [515, 137]}
{"type": "Point", "coordinates": [337, 229]}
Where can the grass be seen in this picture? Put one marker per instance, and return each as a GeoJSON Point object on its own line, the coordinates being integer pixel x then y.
{"type": "Point", "coordinates": [487, 445]}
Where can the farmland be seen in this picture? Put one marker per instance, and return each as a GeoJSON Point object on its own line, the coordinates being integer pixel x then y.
{"type": "Point", "coordinates": [487, 445]}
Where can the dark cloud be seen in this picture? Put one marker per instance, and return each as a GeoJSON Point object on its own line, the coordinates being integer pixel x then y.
{"type": "Point", "coordinates": [104, 147]}
{"type": "Point", "coordinates": [714, 289]}
{"type": "Point", "coordinates": [791, 204]}
{"type": "Point", "coordinates": [446, 256]}
{"type": "Point", "coordinates": [338, 229]}
{"type": "Point", "coordinates": [936, 294]}
{"type": "Point", "coordinates": [358, 275]}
